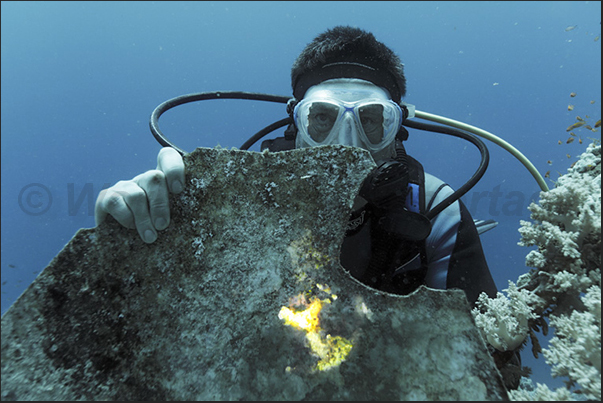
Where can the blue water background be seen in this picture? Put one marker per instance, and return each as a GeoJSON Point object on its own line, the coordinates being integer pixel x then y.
{"type": "Point", "coordinates": [80, 79]}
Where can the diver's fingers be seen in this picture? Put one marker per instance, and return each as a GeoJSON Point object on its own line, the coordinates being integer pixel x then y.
{"type": "Point", "coordinates": [170, 162]}
{"type": "Point", "coordinates": [127, 203]}
{"type": "Point", "coordinates": [137, 202]}
{"type": "Point", "coordinates": [113, 201]}
{"type": "Point", "coordinates": [155, 187]}
{"type": "Point", "coordinates": [99, 212]}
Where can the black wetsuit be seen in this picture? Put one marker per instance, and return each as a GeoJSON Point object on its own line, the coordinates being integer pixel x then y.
{"type": "Point", "coordinates": [451, 256]}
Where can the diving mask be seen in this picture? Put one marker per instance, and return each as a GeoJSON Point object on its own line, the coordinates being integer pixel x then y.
{"type": "Point", "coordinates": [350, 113]}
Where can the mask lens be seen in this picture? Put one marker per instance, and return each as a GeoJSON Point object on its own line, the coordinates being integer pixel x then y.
{"type": "Point", "coordinates": [321, 118]}
{"type": "Point", "coordinates": [371, 119]}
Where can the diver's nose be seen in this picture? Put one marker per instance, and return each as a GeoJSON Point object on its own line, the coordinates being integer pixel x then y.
{"type": "Point", "coordinates": [348, 133]}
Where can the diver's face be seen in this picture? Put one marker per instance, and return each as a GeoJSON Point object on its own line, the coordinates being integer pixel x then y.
{"type": "Point", "coordinates": [350, 129]}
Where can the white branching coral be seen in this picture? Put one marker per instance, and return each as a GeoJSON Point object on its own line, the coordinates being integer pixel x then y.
{"type": "Point", "coordinates": [575, 352]}
{"type": "Point", "coordinates": [504, 323]}
{"type": "Point", "coordinates": [567, 229]}
{"type": "Point", "coordinates": [564, 286]}
{"type": "Point", "coordinates": [541, 393]}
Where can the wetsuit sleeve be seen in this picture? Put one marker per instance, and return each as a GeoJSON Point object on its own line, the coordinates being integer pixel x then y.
{"type": "Point", "coordinates": [455, 257]}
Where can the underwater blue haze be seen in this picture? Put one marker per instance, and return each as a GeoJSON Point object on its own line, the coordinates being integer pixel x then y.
{"type": "Point", "coordinates": [80, 79]}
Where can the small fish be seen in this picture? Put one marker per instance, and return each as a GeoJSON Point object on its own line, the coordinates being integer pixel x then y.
{"type": "Point", "coordinates": [571, 27]}
{"type": "Point", "coordinates": [549, 162]}
{"type": "Point", "coordinates": [592, 102]}
{"type": "Point", "coordinates": [570, 107]}
{"type": "Point", "coordinates": [568, 156]}
{"type": "Point", "coordinates": [580, 141]}
{"type": "Point", "coordinates": [598, 123]}
{"type": "Point", "coordinates": [547, 174]}
{"type": "Point", "coordinates": [579, 119]}
{"type": "Point", "coordinates": [574, 126]}
{"type": "Point", "coordinates": [572, 133]}
{"type": "Point", "coordinates": [588, 127]}
{"type": "Point", "coordinates": [12, 266]}
{"type": "Point", "coordinates": [571, 139]}
{"type": "Point", "coordinates": [573, 94]}
{"type": "Point", "coordinates": [597, 38]}
{"type": "Point", "coordinates": [559, 142]}
{"type": "Point", "coordinates": [4, 282]}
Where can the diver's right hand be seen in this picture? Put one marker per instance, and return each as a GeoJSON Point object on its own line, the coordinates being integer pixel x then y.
{"type": "Point", "coordinates": [143, 202]}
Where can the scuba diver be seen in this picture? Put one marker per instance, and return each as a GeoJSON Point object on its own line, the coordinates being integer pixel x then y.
{"type": "Point", "coordinates": [408, 228]}
{"type": "Point", "coordinates": [347, 89]}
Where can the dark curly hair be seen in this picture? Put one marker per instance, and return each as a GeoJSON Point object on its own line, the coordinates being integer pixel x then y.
{"type": "Point", "coordinates": [347, 52]}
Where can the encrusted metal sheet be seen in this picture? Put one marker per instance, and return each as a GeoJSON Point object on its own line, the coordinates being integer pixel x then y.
{"type": "Point", "coordinates": [241, 297]}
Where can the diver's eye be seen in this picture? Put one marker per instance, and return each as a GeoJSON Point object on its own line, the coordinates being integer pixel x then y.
{"type": "Point", "coordinates": [321, 118]}
{"type": "Point", "coordinates": [368, 121]}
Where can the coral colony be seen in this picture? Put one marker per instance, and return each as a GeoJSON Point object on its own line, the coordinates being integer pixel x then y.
{"type": "Point", "coordinates": [564, 286]}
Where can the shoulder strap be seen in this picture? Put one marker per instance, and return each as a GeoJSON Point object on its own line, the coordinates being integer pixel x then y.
{"type": "Point", "coordinates": [415, 198]}
{"type": "Point", "coordinates": [397, 265]}
{"type": "Point", "coordinates": [412, 269]}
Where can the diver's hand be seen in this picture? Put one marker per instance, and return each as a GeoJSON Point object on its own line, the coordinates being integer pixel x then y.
{"type": "Point", "coordinates": [142, 202]}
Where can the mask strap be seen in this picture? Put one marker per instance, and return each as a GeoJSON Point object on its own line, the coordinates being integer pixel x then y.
{"type": "Point", "coordinates": [291, 131]}
{"type": "Point", "coordinates": [402, 134]}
